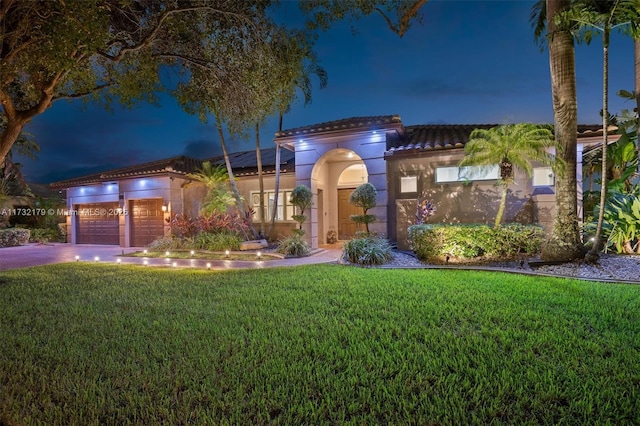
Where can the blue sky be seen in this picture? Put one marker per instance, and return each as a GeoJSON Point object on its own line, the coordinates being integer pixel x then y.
{"type": "Point", "coordinates": [468, 62]}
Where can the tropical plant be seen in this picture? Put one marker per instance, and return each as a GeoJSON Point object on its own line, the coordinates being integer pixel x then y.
{"type": "Point", "coordinates": [302, 198]}
{"type": "Point", "coordinates": [510, 146]}
{"type": "Point", "coordinates": [621, 226]}
{"type": "Point", "coordinates": [216, 179]}
{"type": "Point", "coordinates": [293, 246]}
{"type": "Point", "coordinates": [367, 250]}
{"type": "Point", "coordinates": [586, 19]}
{"type": "Point", "coordinates": [364, 196]}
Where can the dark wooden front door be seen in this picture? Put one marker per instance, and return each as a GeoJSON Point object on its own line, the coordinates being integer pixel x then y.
{"type": "Point", "coordinates": [346, 227]}
{"type": "Point", "coordinates": [97, 223]}
{"type": "Point", "coordinates": [147, 221]}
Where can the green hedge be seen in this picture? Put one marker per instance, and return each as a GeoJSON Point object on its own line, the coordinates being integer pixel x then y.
{"type": "Point", "coordinates": [14, 237]}
{"type": "Point", "coordinates": [467, 242]}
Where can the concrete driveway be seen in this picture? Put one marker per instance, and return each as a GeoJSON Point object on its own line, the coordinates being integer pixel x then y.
{"type": "Point", "coordinates": [43, 254]}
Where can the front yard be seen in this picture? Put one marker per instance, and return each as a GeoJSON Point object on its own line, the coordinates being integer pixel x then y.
{"type": "Point", "coordinates": [105, 344]}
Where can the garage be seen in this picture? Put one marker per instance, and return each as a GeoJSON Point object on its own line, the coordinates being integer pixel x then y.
{"type": "Point", "coordinates": [98, 223]}
{"type": "Point", "coordinates": [147, 221]}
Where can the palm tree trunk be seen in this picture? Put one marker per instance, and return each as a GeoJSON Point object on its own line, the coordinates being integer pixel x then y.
{"type": "Point", "coordinates": [274, 209]}
{"type": "Point", "coordinates": [636, 70]}
{"type": "Point", "coordinates": [565, 242]}
{"type": "Point", "coordinates": [503, 203]}
{"type": "Point", "coordinates": [232, 181]}
{"type": "Point", "coordinates": [260, 179]}
{"type": "Point", "coordinates": [594, 253]}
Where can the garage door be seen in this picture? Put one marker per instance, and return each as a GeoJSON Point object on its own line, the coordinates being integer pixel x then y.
{"type": "Point", "coordinates": [147, 221]}
{"type": "Point", "coordinates": [97, 224]}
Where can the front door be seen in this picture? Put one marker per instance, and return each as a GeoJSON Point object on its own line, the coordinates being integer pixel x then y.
{"type": "Point", "coordinates": [346, 227]}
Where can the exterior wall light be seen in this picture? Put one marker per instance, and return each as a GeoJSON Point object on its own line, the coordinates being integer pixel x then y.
{"type": "Point", "coordinates": [164, 207]}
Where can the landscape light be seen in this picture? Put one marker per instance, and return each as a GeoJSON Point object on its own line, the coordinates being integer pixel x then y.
{"type": "Point", "coordinates": [226, 253]}
{"type": "Point", "coordinates": [208, 265]}
{"type": "Point", "coordinates": [167, 253]}
{"type": "Point", "coordinates": [144, 251]}
{"type": "Point", "coordinates": [118, 261]}
{"type": "Point", "coordinates": [145, 262]}
{"type": "Point", "coordinates": [77, 258]}
{"type": "Point", "coordinates": [174, 264]}
{"type": "Point", "coordinates": [192, 252]}
{"type": "Point", "coordinates": [97, 259]}
{"type": "Point", "coordinates": [258, 254]}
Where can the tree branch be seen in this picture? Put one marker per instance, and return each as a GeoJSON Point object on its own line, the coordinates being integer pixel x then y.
{"type": "Point", "coordinates": [405, 19]}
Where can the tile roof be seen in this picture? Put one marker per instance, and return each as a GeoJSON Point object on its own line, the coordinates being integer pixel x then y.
{"type": "Point", "coordinates": [430, 137]}
{"type": "Point", "coordinates": [433, 137]}
{"type": "Point", "coordinates": [182, 165]}
{"type": "Point", "coordinates": [179, 165]}
{"type": "Point", "coordinates": [344, 124]}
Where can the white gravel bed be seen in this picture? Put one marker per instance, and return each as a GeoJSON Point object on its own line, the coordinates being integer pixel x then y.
{"type": "Point", "coordinates": [612, 267]}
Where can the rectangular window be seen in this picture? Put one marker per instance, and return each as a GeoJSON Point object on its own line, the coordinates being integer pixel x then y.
{"type": "Point", "coordinates": [543, 176]}
{"type": "Point", "coordinates": [285, 209]}
{"type": "Point", "coordinates": [408, 184]}
{"type": "Point", "coordinates": [468, 173]}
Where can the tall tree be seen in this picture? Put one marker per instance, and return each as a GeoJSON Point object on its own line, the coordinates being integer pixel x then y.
{"type": "Point", "coordinates": [57, 49]}
{"type": "Point", "coordinates": [586, 19]}
{"type": "Point", "coordinates": [565, 242]}
{"type": "Point", "coordinates": [296, 63]}
{"type": "Point", "coordinates": [510, 146]}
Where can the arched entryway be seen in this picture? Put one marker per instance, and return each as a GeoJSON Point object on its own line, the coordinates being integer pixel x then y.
{"type": "Point", "coordinates": [334, 176]}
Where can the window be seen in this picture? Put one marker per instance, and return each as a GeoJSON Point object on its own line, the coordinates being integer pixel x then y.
{"type": "Point", "coordinates": [543, 176]}
{"type": "Point", "coordinates": [285, 209]}
{"type": "Point", "coordinates": [408, 184]}
{"type": "Point", "coordinates": [461, 174]}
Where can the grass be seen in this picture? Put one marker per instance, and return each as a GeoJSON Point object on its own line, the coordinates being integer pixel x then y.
{"type": "Point", "coordinates": [203, 254]}
{"type": "Point", "coordinates": [325, 344]}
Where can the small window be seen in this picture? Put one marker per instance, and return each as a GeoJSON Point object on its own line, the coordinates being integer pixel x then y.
{"type": "Point", "coordinates": [543, 176]}
{"type": "Point", "coordinates": [408, 184]}
{"type": "Point", "coordinates": [461, 174]}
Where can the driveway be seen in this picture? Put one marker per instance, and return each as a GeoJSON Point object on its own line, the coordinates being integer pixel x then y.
{"type": "Point", "coordinates": [43, 254]}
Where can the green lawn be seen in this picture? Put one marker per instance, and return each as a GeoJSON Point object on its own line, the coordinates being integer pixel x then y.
{"type": "Point", "coordinates": [328, 344]}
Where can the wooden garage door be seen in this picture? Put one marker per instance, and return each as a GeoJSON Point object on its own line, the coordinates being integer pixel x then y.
{"type": "Point", "coordinates": [346, 227]}
{"type": "Point", "coordinates": [97, 223]}
{"type": "Point", "coordinates": [147, 221]}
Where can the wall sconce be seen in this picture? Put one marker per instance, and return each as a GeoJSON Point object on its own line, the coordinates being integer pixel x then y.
{"type": "Point", "coordinates": [164, 207]}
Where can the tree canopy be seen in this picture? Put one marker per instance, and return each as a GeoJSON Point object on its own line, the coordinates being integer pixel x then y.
{"type": "Point", "coordinates": [109, 49]}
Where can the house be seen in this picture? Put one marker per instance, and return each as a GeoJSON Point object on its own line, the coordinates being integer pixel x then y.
{"type": "Point", "coordinates": [331, 158]}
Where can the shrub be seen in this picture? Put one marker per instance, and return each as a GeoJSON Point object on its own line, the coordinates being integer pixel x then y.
{"type": "Point", "coordinates": [436, 242]}
{"type": "Point", "coordinates": [171, 243]}
{"type": "Point", "coordinates": [218, 241]}
{"type": "Point", "coordinates": [367, 250]}
{"type": "Point", "coordinates": [44, 235]}
{"type": "Point", "coordinates": [294, 246]}
{"type": "Point", "coordinates": [14, 237]}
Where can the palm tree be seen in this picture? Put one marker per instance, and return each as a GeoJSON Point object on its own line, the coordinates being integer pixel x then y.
{"type": "Point", "coordinates": [216, 180]}
{"type": "Point", "coordinates": [509, 146]}
{"type": "Point", "coordinates": [586, 19]}
{"type": "Point", "coordinates": [565, 242]}
{"type": "Point", "coordinates": [299, 64]}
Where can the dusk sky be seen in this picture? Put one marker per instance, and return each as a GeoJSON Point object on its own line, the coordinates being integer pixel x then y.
{"type": "Point", "coordinates": [469, 62]}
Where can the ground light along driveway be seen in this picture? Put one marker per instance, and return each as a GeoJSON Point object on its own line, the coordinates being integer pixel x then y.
{"type": "Point", "coordinates": [43, 254]}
